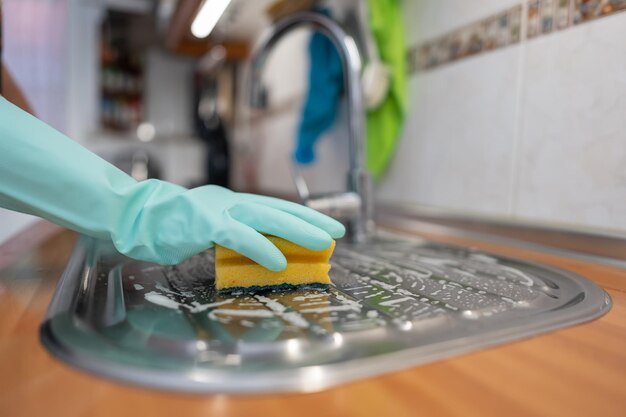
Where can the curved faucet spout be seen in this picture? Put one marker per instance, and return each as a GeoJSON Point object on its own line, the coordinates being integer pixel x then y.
{"type": "Point", "coordinates": [358, 179]}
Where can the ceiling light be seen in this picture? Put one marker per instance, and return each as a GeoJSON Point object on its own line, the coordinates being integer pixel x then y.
{"type": "Point", "coordinates": [207, 17]}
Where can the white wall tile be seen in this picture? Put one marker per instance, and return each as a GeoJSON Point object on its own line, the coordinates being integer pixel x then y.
{"type": "Point", "coordinates": [573, 159]}
{"type": "Point", "coordinates": [457, 146]}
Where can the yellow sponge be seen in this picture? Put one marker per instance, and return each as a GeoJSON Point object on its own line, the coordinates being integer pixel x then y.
{"type": "Point", "coordinates": [304, 267]}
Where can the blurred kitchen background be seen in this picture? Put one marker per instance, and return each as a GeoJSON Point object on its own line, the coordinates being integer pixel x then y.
{"type": "Point", "coordinates": [516, 109]}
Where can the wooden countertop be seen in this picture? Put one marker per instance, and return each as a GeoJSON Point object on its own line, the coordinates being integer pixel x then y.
{"type": "Point", "coordinates": [578, 371]}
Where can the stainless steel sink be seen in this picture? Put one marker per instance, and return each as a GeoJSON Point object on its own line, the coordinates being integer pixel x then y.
{"type": "Point", "coordinates": [396, 302]}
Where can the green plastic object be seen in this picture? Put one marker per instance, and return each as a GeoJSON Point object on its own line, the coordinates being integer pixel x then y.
{"type": "Point", "coordinates": [44, 173]}
{"type": "Point", "coordinates": [385, 122]}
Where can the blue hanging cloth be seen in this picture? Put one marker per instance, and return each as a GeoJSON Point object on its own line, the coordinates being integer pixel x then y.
{"type": "Point", "coordinates": [323, 98]}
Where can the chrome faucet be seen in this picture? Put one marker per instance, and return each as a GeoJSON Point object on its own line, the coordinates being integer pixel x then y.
{"type": "Point", "coordinates": [355, 205]}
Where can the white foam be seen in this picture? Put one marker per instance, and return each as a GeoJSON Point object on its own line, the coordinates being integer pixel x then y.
{"type": "Point", "coordinates": [159, 299]}
{"type": "Point", "coordinates": [197, 307]}
{"type": "Point", "coordinates": [240, 313]}
{"type": "Point", "coordinates": [168, 291]}
{"type": "Point", "coordinates": [396, 301]}
{"type": "Point", "coordinates": [296, 319]}
{"type": "Point", "coordinates": [304, 297]}
{"type": "Point", "coordinates": [315, 303]}
{"type": "Point", "coordinates": [347, 301]}
{"type": "Point", "coordinates": [375, 294]}
{"type": "Point", "coordinates": [328, 309]}
{"type": "Point", "coordinates": [292, 317]}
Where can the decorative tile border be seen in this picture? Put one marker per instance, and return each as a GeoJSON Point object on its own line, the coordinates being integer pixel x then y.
{"type": "Point", "coordinates": [505, 28]}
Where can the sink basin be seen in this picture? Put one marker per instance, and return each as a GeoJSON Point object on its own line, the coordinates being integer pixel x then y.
{"type": "Point", "coordinates": [396, 302]}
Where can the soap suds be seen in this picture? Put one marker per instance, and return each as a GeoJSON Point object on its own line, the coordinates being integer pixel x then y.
{"type": "Point", "coordinates": [296, 319]}
{"type": "Point", "coordinates": [159, 299]}
{"type": "Point", "coordinates": [348, 301]}
{"type": "Point", "coordinates": [304, 297]}
{"type": "Point", "coordinates": [329, 309]}
{"type": "Point", "coordinates": [168, 291]}
{"type": "Point", "coordinates": [292, 317]}
{"type": "Point", "coordinates": [138, 287]}
{"type": "Point", "coordinates": [315, 303]}
{"type": "Point", "coordinates": [396, 301]}
{"type": "Point", "coordinates": [358, 288]}
{"type": "Point", "coordinates": [198, 308]}
{"type": "Point", "coordinates": [240, 313]}
{"type": "Point", "coordinates": [375, 294]}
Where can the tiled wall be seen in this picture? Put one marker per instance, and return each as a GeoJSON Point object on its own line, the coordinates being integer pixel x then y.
{"type": "Point", "coordinates": [507, 27]}
{"type": "Point", "coordinates": [516, 117]}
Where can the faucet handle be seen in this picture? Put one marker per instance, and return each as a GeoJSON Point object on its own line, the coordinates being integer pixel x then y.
{"type": "Point", "coordinates": [341, 206]}
{"type": "Point", "coordinates": [346, 205]}
{"type": "Point", "coordinates": [298, 179]}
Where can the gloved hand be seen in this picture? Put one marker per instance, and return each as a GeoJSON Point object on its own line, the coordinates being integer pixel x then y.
{"type": "Point", "coordinates": [44, 173]}
{"type": "Point", "coordinates": [174, 224]}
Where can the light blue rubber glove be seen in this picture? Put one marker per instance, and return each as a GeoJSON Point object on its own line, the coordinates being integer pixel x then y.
{"type": "Point", "coordinates": [42, 172]}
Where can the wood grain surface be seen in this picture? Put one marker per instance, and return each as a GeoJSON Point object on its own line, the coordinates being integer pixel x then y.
{"type": "Point", "coordinates": [578, 371]}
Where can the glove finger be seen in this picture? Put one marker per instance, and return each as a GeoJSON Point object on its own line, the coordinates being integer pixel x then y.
{"type": "Point", "coordinates": [331, 226]}
{"type": "Point", "coordinates": [282, 224]}
{"type": "Point", "coordinates": [248, 242]}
